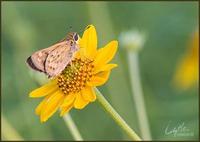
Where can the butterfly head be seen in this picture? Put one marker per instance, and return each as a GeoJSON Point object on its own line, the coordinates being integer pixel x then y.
{"type": "Point", "coordinates": [73, 39]}
{"type": "Point", "coordinates": [73, 36]}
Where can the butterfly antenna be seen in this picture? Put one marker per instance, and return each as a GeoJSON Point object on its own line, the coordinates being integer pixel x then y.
{"type": "Point", "coordinates": [81, 31]}
{"type": "Point", "coordinates": [70, 27]}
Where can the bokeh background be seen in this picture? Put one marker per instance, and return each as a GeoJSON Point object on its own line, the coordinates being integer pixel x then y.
{"type": "Point", "coordinates": [30, 26]}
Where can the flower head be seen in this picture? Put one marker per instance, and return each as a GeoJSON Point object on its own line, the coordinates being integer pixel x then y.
{"type": "Point", "coordinates": [187, 71]}
{"type": "Point", "coordinates": [74, 87]}
{"type": "Point", "coordinates": [132, 40]}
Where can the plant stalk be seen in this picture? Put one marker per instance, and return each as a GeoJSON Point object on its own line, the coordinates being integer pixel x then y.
{"type": "Point", "coordinates": [138, 94]}
{"type": "Point", "coordinates": [72, 127]}
{"type": "Point", "coordinates": [118, 119]}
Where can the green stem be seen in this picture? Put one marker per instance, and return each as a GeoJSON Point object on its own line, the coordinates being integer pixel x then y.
{"type": "Point", "coordinates": [72, 127]}
{"type": "Point", "coordinates": [118, 119]}
{"type": "Point", "coordinates": [138, 94]}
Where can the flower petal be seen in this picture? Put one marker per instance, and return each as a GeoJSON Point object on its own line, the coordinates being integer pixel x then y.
{"type": "Point", "coordinates": [66, 109]}
{"type": "Point", "coordinates": [80, 102]}
{"type": "Point", "coordinates": [89, 41]}
{"type": "Point", "coordinates": [44, 90]}
{"type": "Point", "coordinates": [105, 54]}
{"type": "Point", "coordinates": [99, 79]}
{"type": "Point", "coordinates": [106, 67]}
{"type": "Point", "coordinates": [81, 52]}
{"type": "Point", "coordinates": [51, 106]}
{"type": "Point", "coordinates": [68, 99]}
{"type": "Point", "coordinates": [88, 94]}
{"type": "Point", "coordinates": [67, 103]}
{"type": "Point", "coordinates": [42, 105]}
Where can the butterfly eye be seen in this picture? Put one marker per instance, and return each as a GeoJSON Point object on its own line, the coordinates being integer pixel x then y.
{"type": "Point", "coordinates": [76, 37]}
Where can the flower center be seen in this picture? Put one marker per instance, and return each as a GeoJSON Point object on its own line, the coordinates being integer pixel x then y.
{"type": "Point", "coordinates": [74, 77]}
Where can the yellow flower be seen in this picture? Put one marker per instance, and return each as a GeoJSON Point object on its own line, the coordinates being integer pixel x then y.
{"type": "Point", "coordinates": [74, 87]}
{"type": "Point", "coordinates": [188, 69]}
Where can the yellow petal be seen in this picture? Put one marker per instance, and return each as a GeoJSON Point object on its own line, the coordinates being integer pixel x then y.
{"type": "Point", "coordinates": [89, 42]}
{"type": "Point", "coordinates": [105, 54]}
{"type": "Point", "coordinates": [99, 79]}
{"type": "Point", "coordinates": [88, 94]}
{"type": "Point", "coordinates": [44, 90]}
{"type": "Point", "coordinates": [67, 103]}
{"type": "Point", "coordinates": [106, 67]}
{"type": "Point", "coordinates": [80, 102]}
{"type": "Point", "coordinates": [68, 99]}
{"type": "Point", "coordinates": [81, 52]}
{"type": "Point", "coordinates": [42, 105]}
{"type": "Point", "coordinates": [51, 106]}
{"type": "Point", "coordinates": [186, 74]}
{"type": "Point", "coordinates": [77, 54]}
{"type": "Point", "coordinates": [65, 110]}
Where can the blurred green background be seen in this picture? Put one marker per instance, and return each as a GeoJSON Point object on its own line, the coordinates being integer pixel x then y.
{"type": "Point", "coordinates": [30, 26]}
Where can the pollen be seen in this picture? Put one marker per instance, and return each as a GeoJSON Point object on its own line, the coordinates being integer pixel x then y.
{"type": "Point", "coordinates": [75, 76]}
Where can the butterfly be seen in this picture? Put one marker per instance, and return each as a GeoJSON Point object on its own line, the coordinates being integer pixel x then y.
{"type": "Point", "coordinates": [53, 60]}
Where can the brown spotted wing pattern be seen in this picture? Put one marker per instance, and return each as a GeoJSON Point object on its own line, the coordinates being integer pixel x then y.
{"type": "Point", "coordinates": [53, 60]}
